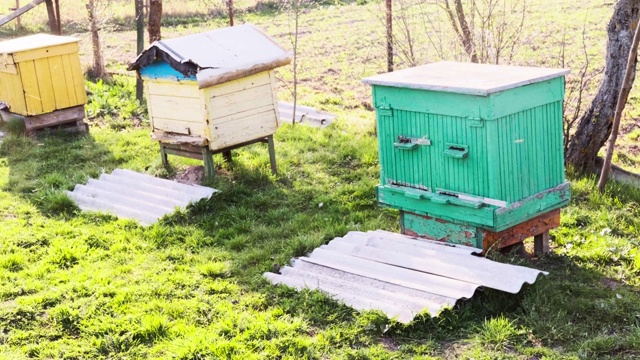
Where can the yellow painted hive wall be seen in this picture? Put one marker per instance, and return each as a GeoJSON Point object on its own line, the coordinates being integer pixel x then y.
{"type": "Point", "coordinates": [42, 80]}
{"type": "Point", "coordinates": [242, 110]}
{"type": "Point", "coordinates": [176, 107]}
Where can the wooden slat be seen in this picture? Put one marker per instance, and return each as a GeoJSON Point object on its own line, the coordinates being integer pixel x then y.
{"type": "Point", "coordinates": [18, 12]}
{"type": "Point", "coordinates": [234, 117]}
{"type": "Point", "coordinates": [78, 79]}
{"type": "Point", "coordinates": [45, 84]}
{"type": "Point", "coordinates": [240, 101]}
{"type": "Point", "coordinates": [173, 89]}
{"type": "Point", "coordinates": [55, 118]}
{"type": "Point", "coordinates": [179, 126]}
{"type": "Point", "coordinates": [9, 68]}
{"type": "Point", "coordinates": [183, 109]}
{"type": "Point", "coordinates": [69, 82]}
{"type": "Point", "coordinates": [150, 110]}
{"type": "Point", "coordinates": [239, 85]}
{"type": "Point", "coordinates": [6, 59]}
{"type": "Point", "coordinates": [272, 77]}
{"type": "Point", "coordinates": [175, 139]}
{"type": "Point", "coordinates": [11, 92]}
{"type": "Point", "coordinates": [242, 130]}
{"type": "Point", "coordinates": [56, 68]}
{"type": "Point", "coordinates": [44, 52]}
{"type": "Point", "coordinates": [31, 90]}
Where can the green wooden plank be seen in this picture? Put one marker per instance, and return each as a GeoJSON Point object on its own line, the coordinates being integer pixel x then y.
{"type": "Point", "coordinates": [482, 216]}
{"type": "Point", "coordinates": [523, 210]}
{"type": "Point", "coordinates": [519, 99]}
{"type": "Point", "coordinates": [432, 102]}
{"type": "Point", "coordinates": [436, 229]}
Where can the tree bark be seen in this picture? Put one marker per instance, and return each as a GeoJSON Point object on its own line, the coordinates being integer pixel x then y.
{"type": "Point", "coordinates": [595, 125]}
{"type": "Point", "coordinates": [622, 101]}
{"type": "Point", "coordinates": [53, 22]}
{"type": "Point", "coordinates": [155, 19]}
{"type": "Point", "coordinates": [97, 71]}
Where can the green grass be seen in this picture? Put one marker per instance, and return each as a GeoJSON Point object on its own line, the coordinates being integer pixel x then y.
{"type": "Point", "coordinates": [77, 285]}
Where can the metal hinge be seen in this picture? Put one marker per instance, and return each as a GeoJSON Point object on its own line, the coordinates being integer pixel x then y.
{"type": "Point", "coordinates": [385, 111]}
{"type": "Point", "coordinates": [475, 121]}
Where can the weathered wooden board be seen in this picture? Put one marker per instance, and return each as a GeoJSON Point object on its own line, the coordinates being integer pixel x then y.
{"type": "Point", "coordinates": [46, 51]}
{"type": "Point", "coordinates": [54, 118]}
{"type": "Point", "coordinates": [243, 129]}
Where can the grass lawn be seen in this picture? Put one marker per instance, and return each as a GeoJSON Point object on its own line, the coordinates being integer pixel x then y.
{"type": "Point", "coordinates": [77, 285]}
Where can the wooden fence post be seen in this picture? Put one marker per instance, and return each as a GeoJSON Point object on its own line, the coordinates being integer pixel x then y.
{"type": "Point", "coordinates": [139, 5]}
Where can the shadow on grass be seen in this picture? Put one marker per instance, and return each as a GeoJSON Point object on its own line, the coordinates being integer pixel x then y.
{"type": "Point", "coordinates": [577, 310]}
{"type": "Point", "coordinates": [42, 168]}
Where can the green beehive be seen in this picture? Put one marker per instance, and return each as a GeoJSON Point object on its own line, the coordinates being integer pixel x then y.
{"type": "Point", "coordinates": [476, 145]}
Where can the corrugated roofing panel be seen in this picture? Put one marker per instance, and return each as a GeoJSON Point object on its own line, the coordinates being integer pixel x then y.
{"type": "Point", "coordinates": [399, 275]}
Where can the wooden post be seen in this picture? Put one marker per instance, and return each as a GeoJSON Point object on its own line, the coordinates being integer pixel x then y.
{"type": "Point", "coordinates": [18, 12]}
{"type": "Point", "coordinates": [389, 37]}
{"type": "Point", "coordinates": [139, 5]}
{"type": "Point", "coordinates": [272, 155]}
{"type": "Point", "coordinates": [207, 157]}
{"type": "Point", "coordinates": [51, 12]}
{"type": "Point", "coordinates": [18, 21]}
{"type": "Point", "coordinates": [58, 22]}
{"type": "Point", "coordinates": [541, 243]}
{"type": "Point", "coordinates": [230, 8]}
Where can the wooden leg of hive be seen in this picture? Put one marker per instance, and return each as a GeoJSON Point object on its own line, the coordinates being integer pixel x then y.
{"type": "Point", "coordinates": [163, 156]}
{"type": "Point", "coordinates": [207, 157]}
{"type": "Point", "coordinates": [541, 243]}
{"type": "Point", "coordinates": [227, 156]}
{"type": "Point", "coordinates": [272, 155]}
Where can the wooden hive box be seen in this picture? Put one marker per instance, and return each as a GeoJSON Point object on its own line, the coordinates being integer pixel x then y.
{"type": "Point", "coordinates": [40, 74]}
{"type": "Point", "coordinates": [214, 89]}
{"type": "Point", "coordinates": [476, 145]}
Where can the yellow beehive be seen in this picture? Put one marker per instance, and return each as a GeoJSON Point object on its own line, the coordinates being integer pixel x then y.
{"type": "Point", "coordinates": [215, 88]}
{"type": "Point", "coordinates": [40, 74]}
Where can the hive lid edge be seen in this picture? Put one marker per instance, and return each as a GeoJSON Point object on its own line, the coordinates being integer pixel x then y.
{"type": "Point", "coordinates": [465, 78]}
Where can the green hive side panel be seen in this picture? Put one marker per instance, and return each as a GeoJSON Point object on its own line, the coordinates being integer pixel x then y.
{"type": "Point", "coordinates": [429, 166]}
{"type": "Point", "coordinates": [529, 151]}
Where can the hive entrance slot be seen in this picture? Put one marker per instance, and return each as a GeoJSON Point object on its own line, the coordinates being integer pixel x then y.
{"type": "Point", "coordinates": [447, 194]}
{"type": "Point", "coordinates": [457, 148]}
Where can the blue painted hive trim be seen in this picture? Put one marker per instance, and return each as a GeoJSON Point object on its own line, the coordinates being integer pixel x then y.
{"type": "Point", "coordinates": [162, 70]}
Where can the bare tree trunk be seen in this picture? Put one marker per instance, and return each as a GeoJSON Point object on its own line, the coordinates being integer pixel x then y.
{"type": "Point", "coordinates": [595, 125]}
{"type": "Point", "coordinates": [230, 9]}
{"type": "Point", "coordinates": [155, 19]}
{"type": "Point", "coordinates": [622, 101]}
{"type": "Point", "coordinates": [53, 22]}
{"type": "Point", "coordinates": [460, 25]}
{"type": "Point", "coordinates": [97, 71]}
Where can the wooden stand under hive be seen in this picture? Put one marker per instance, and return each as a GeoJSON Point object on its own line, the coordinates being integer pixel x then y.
{"type": "Point", "coordinates": [41, 82]}
{"type": "Point", "coordinates": [212, 92]}
{"type": "Point", "coordinates": [472, 154]}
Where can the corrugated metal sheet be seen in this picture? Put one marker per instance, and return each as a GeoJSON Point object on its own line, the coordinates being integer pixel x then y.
{"type": "Point", "coordinates": [219, 55]}
{"type": "Point", "coordinates": [399, 275]}
{"type": "Point", "coordinates": [132, 195]}
{"type": "Point", "coordinates": [304, 115]}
